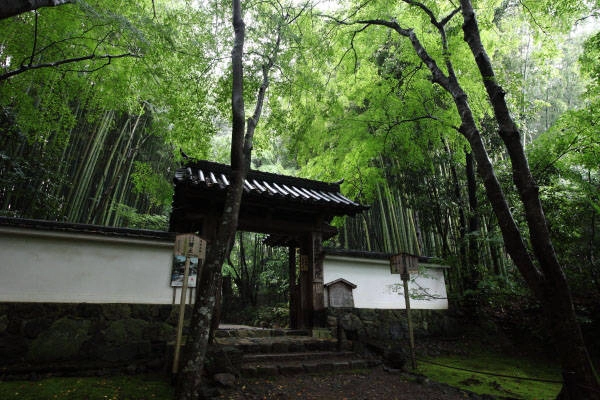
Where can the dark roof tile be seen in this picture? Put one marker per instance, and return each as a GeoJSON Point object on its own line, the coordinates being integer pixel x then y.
{"type": "Point", "coordinates": [210, 175]}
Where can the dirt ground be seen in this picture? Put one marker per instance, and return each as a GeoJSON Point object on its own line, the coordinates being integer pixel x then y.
{"type": "Point", "coordinates": [365, 385]}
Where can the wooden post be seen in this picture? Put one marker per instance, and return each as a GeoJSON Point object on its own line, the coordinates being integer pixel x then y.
{"type": "Point", "coordinates": [317, 301]}
{"type": "Point", "coordinates": [293, 291]}
{"type": "Point", "coordinates": [181, 315]}
{"type": "Point", "coordinates": [405, 277]}
{"type": "Point", "coordinates": [188, 245]}
{"type": "Point", "coordinates": [404, 264]}
{"type": "Point", "coordinates": [305, 298]}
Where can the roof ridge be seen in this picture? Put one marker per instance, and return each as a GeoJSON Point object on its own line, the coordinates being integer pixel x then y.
{"type": "Point", "coordinates": [257, 174]}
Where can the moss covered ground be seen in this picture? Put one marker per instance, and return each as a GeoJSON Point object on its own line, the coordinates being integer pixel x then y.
{"type": "Point", "coordinates": [532, 378]}
{"type": "Point", "coordinates": [136, 387]}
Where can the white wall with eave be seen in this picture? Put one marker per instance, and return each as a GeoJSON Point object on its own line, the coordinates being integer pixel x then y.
{"type": "Point", "coordinates": [48, 266]}
{"type": "Point", "coordinates": [377, 287]}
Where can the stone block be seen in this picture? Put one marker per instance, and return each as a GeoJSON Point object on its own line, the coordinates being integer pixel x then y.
{"type": "Point", "coordinates": [33, 327]}
{"type": "Point", "coordinates": [293, 369]}
{"type": "Point", "coordinates": [13, 348]}
{"type": "Point", "coordinates": [114, 312]}
{"type": "Point", "coordinates": [295, 347]}
{"type": "Point", "coordinates": [265, 347]}
{"type": "Point", "coordinates": [249, 371]}
{"type": "Point", "coordinates": [367, 314]}
{"type": "Point", "coordinates": [267, 370]}
{"type": "Point", "coordinates": [359, 364]}
{"type": "Point", "coordinates": [221, 333]}
{"type": "Point", "coordinates": [280, 347]}
{"type": "Point", "coordinates": [62, 341]}
{"type": "Point", "coordinates": [3, 323]}
{"type": "Point", "coordinates": [351, 322]}
{"type": "Point", "coordinates": [225, 379]}
{"type": "Point", "coordinates": [125, 331]}
{"type": "Point", "coordinates": [87, 310]}
{"type": "Point", "coordinates": [226, 359]}
{"type": "Point", "coordinates": [340, 365]}
{"type": "Point", "coordinates": [159, 331]}
{"type": "Point", "coordinates": [148, 312]}
{"type": "Point", "coordinates": [324, 366]}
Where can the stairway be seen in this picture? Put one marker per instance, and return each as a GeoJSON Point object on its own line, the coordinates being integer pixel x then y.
{"type": "Point", "coordinates": [266, 352]}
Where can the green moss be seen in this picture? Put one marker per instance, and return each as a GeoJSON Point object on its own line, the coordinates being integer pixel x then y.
{"type": "Point", "coordinates": [115, 312]}
{"type": "Point", "coordinates": [62, 341]}
{"type": "Point", "coordinates": [498, 364]}
{"type": "Point", "coordinates": [125, 331]}
{"type": "Point", "coordinates": [161, 331]}
{"type": "Point", "coordinates": [116, 388]}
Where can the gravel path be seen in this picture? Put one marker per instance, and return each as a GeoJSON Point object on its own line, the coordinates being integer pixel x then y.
{"type": "Point", "coordinates": [367, 385]}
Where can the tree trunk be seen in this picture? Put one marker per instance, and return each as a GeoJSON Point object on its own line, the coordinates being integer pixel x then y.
{"type": "Point", "coordinates": [548, 282]}
{"type": "Point", "coordinates": [474, 224]}
{"type": "Point", "coordinates": [190, 378]}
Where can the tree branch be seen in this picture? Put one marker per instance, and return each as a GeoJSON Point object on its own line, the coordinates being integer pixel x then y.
{"type": "Point", "coordinates": [441, 27]}
{"type": "Point", "coordinates": [438, 75]}
{"type": "Point", "coordinates": [108, 57]}
{"type": "Point", "coordinates": [35, 37]}
{"type": "Point", "coordinates": [10, 8]}
{"type": "Point", "coordinates": [237, 96]}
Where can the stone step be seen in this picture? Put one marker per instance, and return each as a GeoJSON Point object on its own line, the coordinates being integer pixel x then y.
{"type": "Point", "coordinates": [268, 353]}
{"type": "Point", "coordinates": [259, 332]}
{"type": "Point", "coordinates": [280, 344]}
{"type": "Point", "coordinates": [318, 363]}
{"type": "Point", "coordinates": [298, 356]}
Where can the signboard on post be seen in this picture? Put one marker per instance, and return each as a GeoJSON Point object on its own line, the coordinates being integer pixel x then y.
{"type": "Point", "coordinates": [187, 247]}
{"type": "Point", "coordinates": [404, 263]}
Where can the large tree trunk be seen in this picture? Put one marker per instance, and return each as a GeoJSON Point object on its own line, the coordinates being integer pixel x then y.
{"type": "Point", "coordinates": [190, 378]}
{"type": "Point", "coordinates": [189, 385]}
{"type": "Point", "coordinates": [474, 224]}
{"type": "Point", "coordinates": [548, 282]}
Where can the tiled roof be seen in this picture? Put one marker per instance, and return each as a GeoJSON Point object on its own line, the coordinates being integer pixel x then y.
{"type": "Point", "coordinates": [205, 175]}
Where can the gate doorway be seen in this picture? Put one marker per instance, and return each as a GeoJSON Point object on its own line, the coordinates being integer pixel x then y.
{"type": "Point", "coordinates": [296, 214]}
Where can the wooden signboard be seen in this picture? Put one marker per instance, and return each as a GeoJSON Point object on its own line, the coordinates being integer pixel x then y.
{"type": "Point", "coordinates": [189, 245]}
{"type": "Point", "coordinates": [404, 263]}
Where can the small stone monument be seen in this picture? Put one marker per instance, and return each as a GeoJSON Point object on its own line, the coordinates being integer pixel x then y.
{"type": "Point", "coordinates": [340, 293]}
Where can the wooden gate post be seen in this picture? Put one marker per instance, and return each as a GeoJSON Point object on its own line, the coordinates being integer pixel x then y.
{"type": "Point", "coordinates": [293, 288]}
{"type": "Point", "coordinates": [316, 274]}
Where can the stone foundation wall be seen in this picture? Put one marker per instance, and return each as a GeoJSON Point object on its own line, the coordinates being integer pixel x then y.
{"type": "Point", "coordinates": [379, 325]}
{"type": "Point", "coordinates": [51, 336]}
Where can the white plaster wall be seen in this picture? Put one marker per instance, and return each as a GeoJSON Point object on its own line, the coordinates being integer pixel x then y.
{"type": "Point", "coordinates": [378, 288]}
{"type": "Point", "coordinates": [45, 266]}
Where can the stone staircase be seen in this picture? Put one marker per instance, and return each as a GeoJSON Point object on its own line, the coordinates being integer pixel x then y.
{"type": "Point", "coordinates": [265, 352]}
